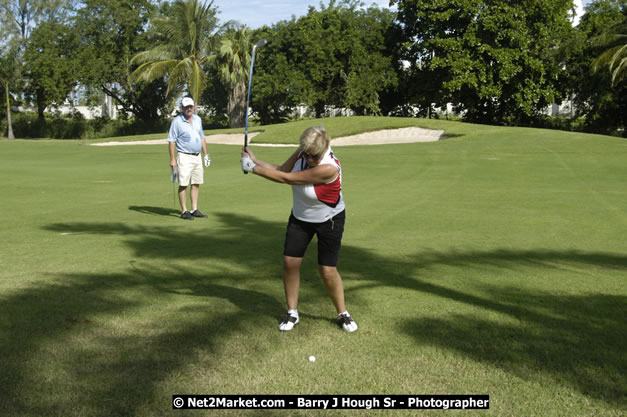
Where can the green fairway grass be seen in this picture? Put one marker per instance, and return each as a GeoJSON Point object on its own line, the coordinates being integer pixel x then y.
{"type": "Point", "coordinates": [493, 262]}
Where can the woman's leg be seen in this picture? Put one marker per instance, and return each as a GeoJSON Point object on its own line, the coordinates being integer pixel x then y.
{"type": "Point", "coordinates": [333, 283]}
{"type": "Point", "coordinates": [291, 280]}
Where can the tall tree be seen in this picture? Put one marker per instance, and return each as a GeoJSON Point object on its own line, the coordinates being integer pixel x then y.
{"type": "Point", "coordinates": [21, 15]}
{"type": "Point", "coordinates": [278, 84]}
{"type": "Point", "coordinates": [18, 18]}
{"type": "Point", "coordinates": [187, 39]}
{"type": "Point", "coordinates": [233, 64]}
{"type": "Point", "coordinates": [111, 32]}
{"type": "Point", "coordinates": [602, 106]}
{"type": "Point", "coordinates": [495, 59]}
{"type": "Point", "coordinates": [342, 45]}
{"type": "Point", "coordinates": [371, 71]}
{"type": "Point", "coordinates": [333, 57]}
{"type": "Point", "coordinates": [50, 68]}
{"type": "Point", "coordinates": [8, 74]}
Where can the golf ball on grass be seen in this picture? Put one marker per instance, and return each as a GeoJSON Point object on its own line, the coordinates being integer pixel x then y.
{"type": "Point", "coordinates": [312, 358]}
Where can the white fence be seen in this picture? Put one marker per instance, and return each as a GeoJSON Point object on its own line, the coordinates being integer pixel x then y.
{"type": "Point", "coordinates": [108, 109]}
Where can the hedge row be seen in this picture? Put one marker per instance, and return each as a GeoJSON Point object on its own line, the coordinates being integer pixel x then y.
{"type": "Point", "coordinates": [27, 126]}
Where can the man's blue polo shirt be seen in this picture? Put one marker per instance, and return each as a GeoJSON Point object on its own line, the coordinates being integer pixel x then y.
{"type": "Point", "coordinates": [188, 136]}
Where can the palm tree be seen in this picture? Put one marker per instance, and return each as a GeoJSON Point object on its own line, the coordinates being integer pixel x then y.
{"type": "Point", "coordinates": [615, 57]}
{"type": "Point", "coordinates": [188, 34]}
{"type": "Point", "coordinates": [233, 63]}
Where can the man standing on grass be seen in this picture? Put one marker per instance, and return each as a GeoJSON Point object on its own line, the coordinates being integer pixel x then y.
{"type": "Point", "coordinates": [188, 139]}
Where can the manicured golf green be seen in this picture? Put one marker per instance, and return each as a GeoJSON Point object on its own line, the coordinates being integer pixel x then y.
{"type": "Point", "coordinates": [493, 262]}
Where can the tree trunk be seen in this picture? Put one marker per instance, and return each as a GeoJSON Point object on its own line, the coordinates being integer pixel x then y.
{"type": "Point", "coordinates": [10, 133]}
{"type": "Point", "coordinates": [319, 109]}
{"type": "Point", "coordinates": [41, 106]}
{"type": "Point", "coordinates": [237, 105]}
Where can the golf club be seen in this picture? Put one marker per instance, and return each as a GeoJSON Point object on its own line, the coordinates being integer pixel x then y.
{"type": "Point", "coordinates": [174, 178]}
{"type": "Point", "coordinates": [259, 44]}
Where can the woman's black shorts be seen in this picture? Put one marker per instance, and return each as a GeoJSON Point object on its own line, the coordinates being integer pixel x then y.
{"type": "Point", "coordinates": [300, 233]}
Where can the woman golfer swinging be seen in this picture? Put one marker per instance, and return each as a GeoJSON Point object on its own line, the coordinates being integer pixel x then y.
{"type": "Point", "coordinates": [318, 209]}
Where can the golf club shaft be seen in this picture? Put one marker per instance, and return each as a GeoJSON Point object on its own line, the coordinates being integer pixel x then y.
{"type": "Point", "coordinates": [250, 81]}
{"type": "Point", "coordinates": [173, 179]}
{"type": "Point", "coordinates": [262, 42]}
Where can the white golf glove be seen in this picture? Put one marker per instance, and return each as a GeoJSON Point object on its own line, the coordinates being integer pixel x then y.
{"type": "Point", "coordinates": [207, 160]}
{"type": "Point", "coordinates": [247, 164]}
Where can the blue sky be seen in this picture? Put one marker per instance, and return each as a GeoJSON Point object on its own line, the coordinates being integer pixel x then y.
{"type": "Point", "coordinates": [256, 13]}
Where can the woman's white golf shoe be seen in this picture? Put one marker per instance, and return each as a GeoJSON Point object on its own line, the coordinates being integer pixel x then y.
{"type": "Point", "coordinates": [346, 322]}
{"type": "Point", "coordinates": [288, 322]}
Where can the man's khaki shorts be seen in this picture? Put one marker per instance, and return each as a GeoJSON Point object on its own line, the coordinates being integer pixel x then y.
{"type": "Point", "coordinates": [190, 169]}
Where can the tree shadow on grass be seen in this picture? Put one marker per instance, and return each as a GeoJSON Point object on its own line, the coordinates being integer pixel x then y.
{"type": "Point", "coordinates": [114, 370]}
{"type": "Point", "coordinates": [576, 340]}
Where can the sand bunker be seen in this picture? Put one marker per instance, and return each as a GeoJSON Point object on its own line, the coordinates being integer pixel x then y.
{"type": "Point", "coordinates": [380, 137]}
{"type": "Point", "coordinates": [226, 139]}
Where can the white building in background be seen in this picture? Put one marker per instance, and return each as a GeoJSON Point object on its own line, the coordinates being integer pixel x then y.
{"type": "Point", "coordinates": [567, 107]}
{"type": "Point", "coordinates": [106, 109]}
{"type": "Point", "coordinates": [109, 109]}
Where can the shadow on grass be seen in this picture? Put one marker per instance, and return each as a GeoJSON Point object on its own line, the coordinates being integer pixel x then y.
{"type": "Point", "coordinates": [580, 340]}
{"type": "Point", "coordinates": [111, 369]}
{"type": "Point", "coordinates": [576, 340]}
{"type": "Point", "coordinates": [159, 211]}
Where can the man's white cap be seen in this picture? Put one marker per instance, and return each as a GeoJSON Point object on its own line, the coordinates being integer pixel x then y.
{"type": "Point", "coordinates": [187, 101]}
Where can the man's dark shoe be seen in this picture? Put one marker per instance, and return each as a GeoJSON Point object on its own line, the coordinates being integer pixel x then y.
{"type": "Point", "coordinates": [186, 215]}
{"type": "Point", "coordinates": [198, 213]}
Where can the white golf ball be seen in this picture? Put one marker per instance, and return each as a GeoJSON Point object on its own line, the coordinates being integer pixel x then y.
{"type": "Point", "coordinates": [312, 358]}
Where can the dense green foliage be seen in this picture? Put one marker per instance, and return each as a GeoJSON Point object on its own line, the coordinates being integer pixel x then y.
{"type": "Point", "coordinates": [18, 20]}
{"type": "Point", "coordinates": [232, 62]}
{"type": "Point", "coordinates": [111, 32]}
{"type": "Point", "coordinates": [603, 105]}
{"type": "Point", "coordinates": [9, 70]}
{"type": "Point", "coordinates": [49, 64]}
{"type": "Point", "coordinates": [614, 38]}
{"type": "Point", "coordinates": [332, 58]}
{"type": "Point", "coordinates": [494, 61]}
{"type": "Point", "coordinates": [185, 41]}
{"type": "Point", "coordinates": [75, 126]}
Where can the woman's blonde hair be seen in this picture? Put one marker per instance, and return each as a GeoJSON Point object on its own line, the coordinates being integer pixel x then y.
{"type": "Point", "coordinates": [315, 141]}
